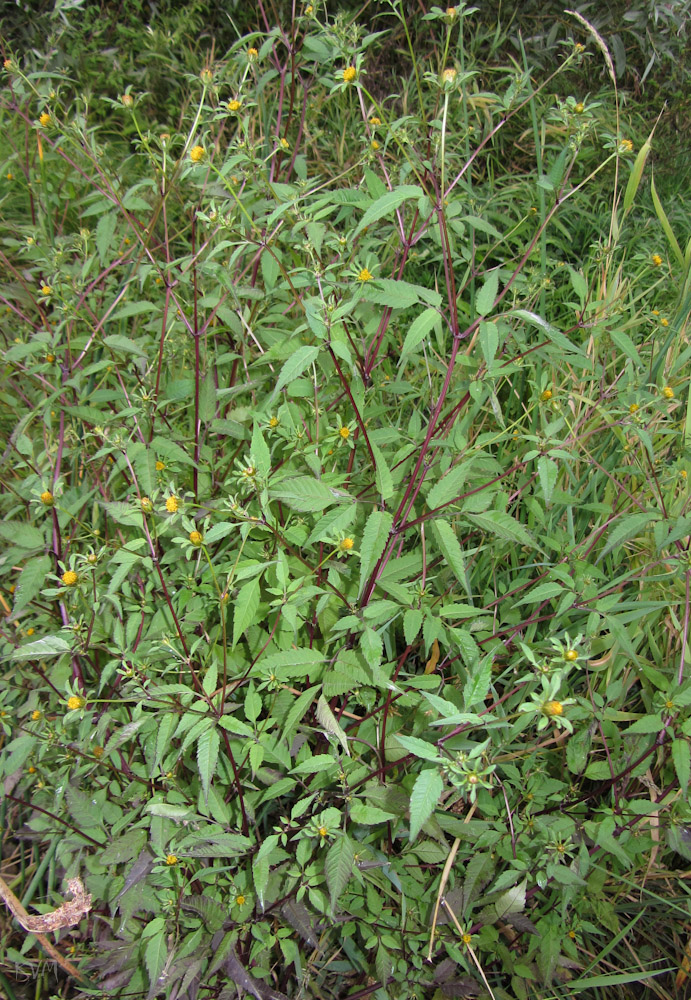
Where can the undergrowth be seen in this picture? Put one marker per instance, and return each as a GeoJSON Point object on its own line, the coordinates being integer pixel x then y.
{"type": "Point", "coordinates": [346, 522]}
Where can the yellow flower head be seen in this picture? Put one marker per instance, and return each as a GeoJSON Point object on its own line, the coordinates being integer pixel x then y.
{"type": "Point", "coordinates": [234, 105]}
{"type": "Point", "coordinates": [50, 358]}
{"type": "Point", "coordinates": [273, 422]}
{"type": "Point", "coordinates": [7, 64]}
{"type": "Point", "coordinates": [625, 146]}
{"type": "Point", "coordinates": [374, 145]}
{"type": "Point", "coordinates": [553, 708]}
{"type": "Point", "coordinates": [197, 154]}
{"type": "Point", "coordinates": [451, 13]}
{"type": "Point", "coordinates": [44, 119]}
{"type": "Point", "coordinates": [449, 75]}
{"type": "Point", "coordinates": [633, 408]}
{"type": "Point", "coordinates": [579, 48]}
{"type": "Point", "coordinates": [30, 631]}
{"type": "Point", "coordinates": [346, 544]}
{"type": "Point", "coordinates": [69, 578]}
{"type": "Point", "coordinates": [656, 259]}
{"type": "Point", "coordinates": [252, 53]}
{"type": "Point", "coordinates": [240, 900]}
{"type": "Point", "coordinates": [206, 76]}
{"type": "Point", "coordinates": [322, 831]}
{"type": "Point", "coordinates": [31, 769]}
{"type": "Point", "coordinates": [46, 290]}
{"type": "Point", "coordinates": [35, 715]}
{"type": "Point", "coordinates": [546, 395]}
{"type": "Point", "coordinates": [580, 108]}
{"type": "Point", "coordinates": [172, 504]}
{"type": "Point", "coordinates": [98, 751]}
{"type": "Point", "coordinates": [146, 505]}
{"type": "Point", "coordinates": [668, 392]}
{"type": "Point", "coordinates": [344, 432]}
{"type": "Point", "coordinates": [47, 498]}
{"type": "Point", "coordinates": [284, 143]}
{"type": "Point", "coordinates": [74, 702]}
{"type": "Point", "coordinates": [160, 466]}
{"type": "Point", "coordinates": [196, 537]}
{"type": "Point", "coordinates": [127, 100]}
{"type": "Point", "coordinates": [365, 275]}
{"type": "Point", "coordinates": [664, 322]}
{"type": "Point", "coordinates": [171, 859]}
{"type": "Point", "coordinates": [349, 74]}
{"type": "Point", "coordinates": [571, 655]}
{"type": "Point", "coordinates": [374, 120]}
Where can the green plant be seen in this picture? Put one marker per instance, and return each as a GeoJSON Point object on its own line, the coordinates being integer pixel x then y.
{"type": "Point", "coordinates": [346, 514]}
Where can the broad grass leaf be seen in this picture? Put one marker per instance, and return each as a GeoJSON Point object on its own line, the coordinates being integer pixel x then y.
{"type": "Point", "coordinates": [374, 539]}
{"type": "Point", "coordinates": [423, 799]}
{"type": "Point", "coordinates": [207, 758]}
{"type": "Point", "coordinates": [245, 608]}
{"type": "Point", "coordinates": [387, 204]}
{"type": "Point", "coordinates": [338, 866]}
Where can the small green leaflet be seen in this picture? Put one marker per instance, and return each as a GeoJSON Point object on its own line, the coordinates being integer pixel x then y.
{"type": "Point", "coordinates": [412, 621]}
{"type": "Point", "coordinates": [327, 719]}
{"type": "Point", "coordinates": [305, 493]}
{"type": "Point", "coordinates": [387, 204]}
{"type": "Point", "coordinates": [245, 609]}
{"type": "Point", "coordinates": [372, 648]}
{"type": "Point", "coordinates": [496, 522]}
{"type": "Point", "coordinates": [155, 955]}
{"type": "Point", "coordinates": [450, 548]}
{"type": "Point", "coordinates": [419, 329]}
{"type": "Point", "coordinates": [295, 366]}
{"type": "Point", "coordinates": [207, 757]}
{"type": "Point", "coordinates": [423, 799]}
{"type": "Point", "coordinates": [51, 645]}
{"type": "Point", "coordinates": [338, 866]}
{"type": "Point", "coordinates": [374, 539]}
{"type": "Point", "coordinates": [484, 300]}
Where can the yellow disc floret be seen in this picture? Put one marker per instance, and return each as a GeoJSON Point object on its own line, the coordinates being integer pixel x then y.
{"type": "Point", "coordinates": [553, 708]}
{"type": "Point", "coordinates": [74, 703]}
{"type": "Point", "coordinates": [349, 74]}
{"type": "Point", "coordinates": [196, 537]}
{"type": "Point", "coordinates": [47, 498]}
{"type": "Point", "coordinates": [69, 578]}
{"type": "Point", "coordinates": [172, 504]}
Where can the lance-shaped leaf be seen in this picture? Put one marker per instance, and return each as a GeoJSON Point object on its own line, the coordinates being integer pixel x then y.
{"type": "Point", "coordinates": [424, 797]}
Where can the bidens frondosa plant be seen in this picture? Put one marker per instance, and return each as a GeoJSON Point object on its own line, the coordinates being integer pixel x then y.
{"type": "Point", "coordinates": [344, 504]}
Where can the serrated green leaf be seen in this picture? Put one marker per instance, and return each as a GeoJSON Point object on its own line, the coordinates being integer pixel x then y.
{"type": "Point", "coordinates": [449, 487]}
{"type": "Point", "coordinates": [387, 204]}
{"type": "Point", "coordinates": [450, 548]}
{"type": "Point", "coordinates": [31, 580]}
{"type": "Point", "coordinates": [412, 623]}
{"type": "Point", "coordinates": [498, 523]}
{"type": "Point", "coordinates": [544, 592]}
{"type": "Point", "coordinates": [383, 475]}
{"type": "Point", "coordinates": [372, 648]}
{"type": "Point", "coordinates": [484, 300]}
{"type": "Point", "coordinates": [245, 609]}
{"type": "Point", "coordinates": [374, 539]}
{"type": "Point", "coordinates": [423, 799]}
{"type": "Point", "coordinates": [329, 722]}
{"type": "Point", "coordinates": [155, 955]}
{"type": "Point", "coordinates": [260, 866]}
{"type": "Point", "coordinates": [511, 901]}
{"type": "Point", "coordinates": [305, 493]}
{"type": "Point", "coordinates": [207, 757]}
{"type": "Point", "coordinates": [419, 329]}
{"type": "Point", "coordinates": [105, 230]}
{"type": "Point", "coordinates": [478, 684]}
{"type": "Point", "coordinates": [293, 368]}
{"type": "Point", "coordinates": [333, 522]}
{"type": "Point", "coordinates": [626, 529]}
{"type": "Point", "coordinates": [338, 866]}
{"type": "Point", "coordinates": [24, 536]}
{"type": "Point", "coordinates": [556, 336]}
{"type": "Point", "coordinates": [290, 664]}
{"type": "Point", "coordinates": [421, 749]}
{"type": "Point", "coordinates": [51, 645]}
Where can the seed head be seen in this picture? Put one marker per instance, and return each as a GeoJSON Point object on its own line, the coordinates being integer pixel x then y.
{"type": "Point", "coordinates": [146, 505]}
{"type": "Point", "coordinates": [127, 100]}
{"type": "Point", "coordinates": [98, 751]}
